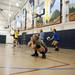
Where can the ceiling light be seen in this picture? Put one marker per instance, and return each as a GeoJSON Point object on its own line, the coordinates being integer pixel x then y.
{"type": "Point", "coordinates": [17, 4]}
{"type": "Point", "coordinates": [9, 15]}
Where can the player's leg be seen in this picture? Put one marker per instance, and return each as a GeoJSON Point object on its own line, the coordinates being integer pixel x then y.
{"type": "Point", "coordinates": [34, 46]}
{"type": "Point", "coordinates": [56, 45]}
{"type": "Point", "coordinates": [43, 51]}
{"type": "Point", "coordinates": [35, 53]}
{"type": "Point", "coordinates": [14, 42]}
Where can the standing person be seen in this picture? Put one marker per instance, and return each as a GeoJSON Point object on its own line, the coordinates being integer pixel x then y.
{"type": "Point", "coordinates": [16, 36]}
{"type": "Point", "coordinates": [56, 39]}
{"type": "Point", "coordinates": [41, 35]}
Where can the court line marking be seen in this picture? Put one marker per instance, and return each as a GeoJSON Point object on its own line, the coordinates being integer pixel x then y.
{"type": "Point", "coordinates": [58, 69]}
{"type": "Point", "coordinates": [57, 60]}
{"type": "Point", "coordinates": [38, 69]}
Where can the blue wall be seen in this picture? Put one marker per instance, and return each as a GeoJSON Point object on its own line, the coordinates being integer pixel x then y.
{"type": "Point", "coordinates": [67, 39]}
{"type": "Point", "coordinates": [3, 39]}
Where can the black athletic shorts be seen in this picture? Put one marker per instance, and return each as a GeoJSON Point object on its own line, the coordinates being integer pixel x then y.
{"type": "Point", "coordinates": [38, 46]}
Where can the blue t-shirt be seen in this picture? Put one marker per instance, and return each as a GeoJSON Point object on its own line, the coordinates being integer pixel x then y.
{"type": "Point", "coordinates": [42, 35]}
{"type": "Point", "coordinates": [56, 36]}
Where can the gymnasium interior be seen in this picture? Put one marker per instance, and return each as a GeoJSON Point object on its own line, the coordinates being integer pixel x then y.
{"type": "Point", "coordinates": [29, 17]}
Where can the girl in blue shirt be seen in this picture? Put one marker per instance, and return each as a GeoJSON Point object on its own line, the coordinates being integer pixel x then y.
{"type": "Point", "coordinates": [55, 39]}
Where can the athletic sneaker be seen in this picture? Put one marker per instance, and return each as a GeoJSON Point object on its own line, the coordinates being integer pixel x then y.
{"type": "Point", "coordinates": [56, 49]}
{"type": "Point", "coordinates": [44, 56]}
{"type": "Point", "coordinates": [35, 55]}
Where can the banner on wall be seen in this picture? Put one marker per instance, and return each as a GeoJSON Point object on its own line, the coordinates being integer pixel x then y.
{"type": "Point", "coordinates": [72, 10]}
{"type": "Point", "coordinates": [40, 12]}
{"type": "Point", "coordinates": [53, 12]}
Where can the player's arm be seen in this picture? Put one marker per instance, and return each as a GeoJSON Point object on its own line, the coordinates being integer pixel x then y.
{"type": "Point", "coordinates": [52, 38]}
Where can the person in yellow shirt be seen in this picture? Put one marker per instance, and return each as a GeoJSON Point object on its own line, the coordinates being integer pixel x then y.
{"type": "Point", "coordinates": [16, 36]}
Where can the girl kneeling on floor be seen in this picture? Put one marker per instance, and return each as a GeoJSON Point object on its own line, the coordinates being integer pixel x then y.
{"type": "Point", "coordinates": [38, 45]}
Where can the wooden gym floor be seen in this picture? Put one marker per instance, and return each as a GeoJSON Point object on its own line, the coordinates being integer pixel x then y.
{"type": "Point", "coordinates": [18, 61]}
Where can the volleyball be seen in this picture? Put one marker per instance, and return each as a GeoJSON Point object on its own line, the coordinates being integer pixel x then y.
{"type": "Point", "coordinates": [48, 38]}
